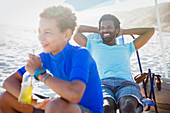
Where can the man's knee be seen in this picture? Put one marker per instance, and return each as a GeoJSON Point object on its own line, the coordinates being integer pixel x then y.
{"type": "Point", "coordinates": [128, 103]}
{"type": "Point", "coordinates": [109, 105]}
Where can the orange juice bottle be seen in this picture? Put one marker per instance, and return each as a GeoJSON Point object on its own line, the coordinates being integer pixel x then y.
{"type": "Point", "coordinates": [26, 89]}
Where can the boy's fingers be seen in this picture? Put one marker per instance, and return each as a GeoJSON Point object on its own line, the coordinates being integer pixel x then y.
{"type": "Point", "coordinates": [39, 57]}
{"type": "Point", "coordinates": [27, 60]}
{"type": "Point", "coordinates": [31, 55]}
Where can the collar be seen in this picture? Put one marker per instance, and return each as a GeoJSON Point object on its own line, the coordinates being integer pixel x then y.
{"type": "Point", "coordinates": [62, 54]}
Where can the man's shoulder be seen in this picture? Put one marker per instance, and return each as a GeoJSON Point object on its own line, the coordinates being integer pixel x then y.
{"type": "Point", "coordinates": [94, 36]}
{"type": "Point", "coordinates": [129, 45]}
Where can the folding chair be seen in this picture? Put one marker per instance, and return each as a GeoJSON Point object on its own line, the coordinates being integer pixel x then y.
{"type": "Point", "coordinates": [151, 77]}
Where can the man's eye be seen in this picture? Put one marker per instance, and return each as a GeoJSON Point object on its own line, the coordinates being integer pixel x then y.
{"type": "Point", "coordinates": [47, 33]}
{"type": "Point", "coordinates": [102, 28]}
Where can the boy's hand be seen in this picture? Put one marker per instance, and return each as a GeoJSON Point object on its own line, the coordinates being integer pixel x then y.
{"type": "Point", "coordinates": [32, 64]}
{"type": "Point", "coordinates": [40, 105]}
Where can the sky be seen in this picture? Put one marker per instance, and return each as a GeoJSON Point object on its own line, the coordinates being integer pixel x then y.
{"type": "Point", "coordinates": [26, 12]}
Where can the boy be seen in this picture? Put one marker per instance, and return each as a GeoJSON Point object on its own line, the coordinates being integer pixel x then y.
{"type": "Point", "coordinates": [75, 76]}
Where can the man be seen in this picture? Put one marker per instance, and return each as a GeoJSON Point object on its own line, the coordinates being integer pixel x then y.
{"type": "Point", "coordinates": [113, 62]}
{"type": "Point", "coordinates": [75, 76]}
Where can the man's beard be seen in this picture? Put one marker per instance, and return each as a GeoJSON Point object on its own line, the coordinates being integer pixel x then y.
{"type": "Point", "coordinates": [108, 36]}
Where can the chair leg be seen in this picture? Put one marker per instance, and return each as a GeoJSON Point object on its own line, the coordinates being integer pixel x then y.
{"type": "Point", "coordinates": [152, 89]}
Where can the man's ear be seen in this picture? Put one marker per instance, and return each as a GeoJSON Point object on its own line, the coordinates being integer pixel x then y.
{"type": "Point", "coordinates": [117, 31]}
{"type": "Point", "coordinates": [68, 34]}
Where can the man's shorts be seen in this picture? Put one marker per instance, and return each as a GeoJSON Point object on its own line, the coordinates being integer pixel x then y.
{"type": "Point", "coordinates": [83, 110]}
{"type": "Point", "coordinates": [116, 88]}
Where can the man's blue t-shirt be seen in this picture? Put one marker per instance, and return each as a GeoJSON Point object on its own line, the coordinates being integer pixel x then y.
{"type": "Point", "coordinates": [76, 63]}
{"type": "Point", "coordinates": [112, 61]}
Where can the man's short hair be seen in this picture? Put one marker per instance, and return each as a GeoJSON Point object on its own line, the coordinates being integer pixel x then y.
{"type": "Point", "coordinates": [64, 16]}
{"type": "Point", "coordinates": [112, 18]}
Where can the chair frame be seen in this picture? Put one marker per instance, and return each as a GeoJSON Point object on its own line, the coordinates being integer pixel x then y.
{"type": "Point", "coordinates": [151, 82]}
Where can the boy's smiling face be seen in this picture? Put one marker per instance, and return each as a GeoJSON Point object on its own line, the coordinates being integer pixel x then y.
{"type": "Point", "coordinates": [52, 39]}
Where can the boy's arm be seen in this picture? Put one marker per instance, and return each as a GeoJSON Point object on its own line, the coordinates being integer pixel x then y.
{"type": "Point", "coordinates": [81, 39]}
{"type": "Point", "coordinates": [144, 35]}
{"type": "Point", "coordinates": [70, 91]}
{"type": "Point", "coordinates": [13, 84]}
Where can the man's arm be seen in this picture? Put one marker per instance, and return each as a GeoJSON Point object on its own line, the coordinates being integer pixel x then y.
{"type": "Point", "coordinates": [144, 35]}
{"type": "Point", "coordinates": [81, 39]}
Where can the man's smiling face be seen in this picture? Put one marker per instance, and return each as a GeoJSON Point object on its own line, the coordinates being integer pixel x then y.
{"type": "Point", "coordinates": [108, 31]}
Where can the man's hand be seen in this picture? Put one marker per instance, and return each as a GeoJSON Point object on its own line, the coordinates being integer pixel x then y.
{"type": "Point", "coordinates": [32, 64]}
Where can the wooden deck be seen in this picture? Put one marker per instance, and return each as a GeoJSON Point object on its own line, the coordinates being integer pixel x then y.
{"type": "Point", "coordinates": [142, 112]}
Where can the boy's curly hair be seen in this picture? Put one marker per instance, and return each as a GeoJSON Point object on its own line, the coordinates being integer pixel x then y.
{"type": "Point", "coordinates": [64, 16]}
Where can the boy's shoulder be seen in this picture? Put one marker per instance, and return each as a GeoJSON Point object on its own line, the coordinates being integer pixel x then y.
{"type": "Point", "coordinates": [79, 49]}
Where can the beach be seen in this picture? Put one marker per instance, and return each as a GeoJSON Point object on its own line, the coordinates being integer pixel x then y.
{"type": "Point", "coordinates": [16, 43]}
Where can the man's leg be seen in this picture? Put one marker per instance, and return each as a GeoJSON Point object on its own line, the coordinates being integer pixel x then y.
{"type": "Point", "coordinates": [128, 96]}
{"type": "Point", "coordinates": [128, 104]}
{"type": "Point", "coordinates": [109, 105]}
{"type": "Point", "coordinates": [9, 104]}
{"type": "Point", "coordinates": [139, 109]}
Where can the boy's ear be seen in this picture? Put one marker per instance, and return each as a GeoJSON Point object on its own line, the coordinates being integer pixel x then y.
{"type": "Point", "coordinates": [68, 34]}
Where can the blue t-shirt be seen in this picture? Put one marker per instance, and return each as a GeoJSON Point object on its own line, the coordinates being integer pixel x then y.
{"type": "Point", "coordinates": [76, 63]}
{"type": "Point", "coordinates": [112, 61]}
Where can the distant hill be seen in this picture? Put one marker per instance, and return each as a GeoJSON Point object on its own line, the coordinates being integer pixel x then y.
{"type": "Point", "coordinates": [144, 17]}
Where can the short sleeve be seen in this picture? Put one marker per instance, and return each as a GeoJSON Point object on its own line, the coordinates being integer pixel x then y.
{"type": "Point", "coordinates": [80, 66]}
{"type": "Point", "coordinates": [88, 45]}
{"type": "Point", "coordinates": [94, 36]}
{"type": "Point", "coordinates": [21, 71]}
{"type": "Point", "coordinates": [131, 47]}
